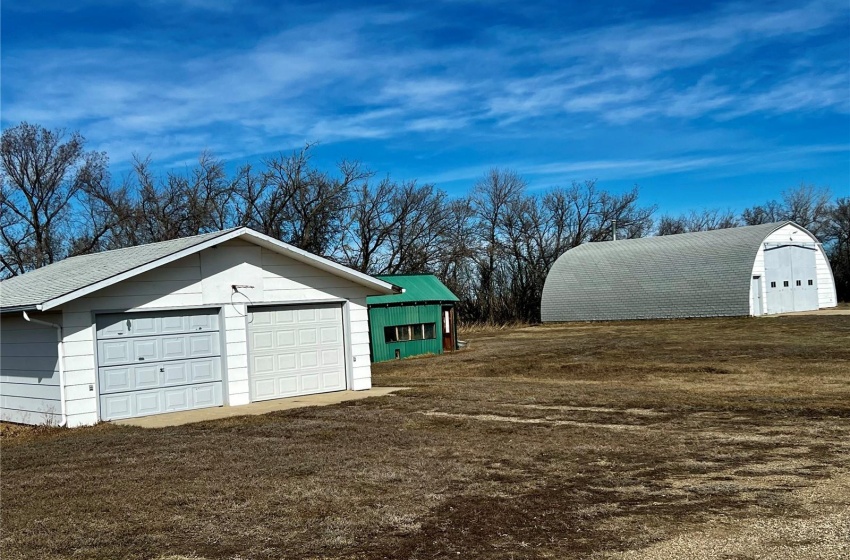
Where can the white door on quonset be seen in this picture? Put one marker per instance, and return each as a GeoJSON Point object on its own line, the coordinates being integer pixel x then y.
{"type": "Point", "coordinates": [790, 277]}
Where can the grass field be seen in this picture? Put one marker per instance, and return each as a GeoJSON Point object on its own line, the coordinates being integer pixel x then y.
{"type": "Point", "coordinates": [678, 439]}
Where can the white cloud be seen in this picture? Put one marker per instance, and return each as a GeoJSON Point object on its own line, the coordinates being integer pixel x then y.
{"type": "Point", "coordinates": [338, 78]}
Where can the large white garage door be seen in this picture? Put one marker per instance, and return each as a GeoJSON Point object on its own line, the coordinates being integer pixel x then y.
{"type": "Point", "coordinates": [295, 350]}
{"type": "Point", "coordinates": [791, 277]}
{"type": "Point", "coordinates": [150, 363]}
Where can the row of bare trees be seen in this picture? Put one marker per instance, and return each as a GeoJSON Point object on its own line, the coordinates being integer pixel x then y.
{"type": "Point", "coordinates": [493, 247]}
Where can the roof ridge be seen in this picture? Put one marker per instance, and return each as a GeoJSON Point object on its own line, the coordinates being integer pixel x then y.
{"type": "Point", "coordinates": [153, 244]}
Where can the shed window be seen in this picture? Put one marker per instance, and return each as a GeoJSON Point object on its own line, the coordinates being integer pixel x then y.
{"type": "Point", "coordinates": [405, 333]}
{"type": "Point", "coordinates": [811, 283]}
{"type": "Point", "coordinates": [785, 283]}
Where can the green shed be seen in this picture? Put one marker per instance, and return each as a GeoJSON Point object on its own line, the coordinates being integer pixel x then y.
{"type": "Point", "coordinates": [421, 320]}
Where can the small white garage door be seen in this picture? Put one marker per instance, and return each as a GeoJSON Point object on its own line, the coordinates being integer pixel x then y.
{"type": "Point", "coordinates": [150, 363]}
{"type": "Point", "coordinates": [295, 350]}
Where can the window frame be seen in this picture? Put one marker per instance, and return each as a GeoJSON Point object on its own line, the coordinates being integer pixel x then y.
{"type": "Point", "coordinates": [414, 332]}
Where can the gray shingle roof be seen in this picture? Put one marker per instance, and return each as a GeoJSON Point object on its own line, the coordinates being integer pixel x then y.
{"type": "Point", "coordinates": [703, 274]}
{"type": "Point", "coordinates": [66, 276]}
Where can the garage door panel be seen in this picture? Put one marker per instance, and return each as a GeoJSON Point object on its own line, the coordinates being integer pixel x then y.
{"type": "Point", "coordinates": [203, 322]}
{"type": "Point", "coordinates": [262, 340]}
{"type": "Point", "coordinates": [117, 406]}
{"type": "Point", "coordinates": [147, 349]}
{"type": "Point", "coordinates": [263, 364]}
{"type": "Point", "coordinates": [310, 383]}
{"type": "Point", "coordinates": [259, 319]}
{"type": "Point", "coordinates": [175, 373]}
{"type": "Point", "coordinates": [329, 335]}
{"type": "Point", "coordinates": [304, 355]}
{"type": "Point", "coordinates": [308, 359]}
{"type": "Point", "coordinates": [146, 376]}
{"type": "Point", "coordinates": [306, 315]}
{"type": "Point", "coordinates": [283, 317]}
{"type": "Point", "coordinates": [158, 401]}
{"type": "Point", "coordinates": [125, 325]}
{"type": "Point", "coordinates": [174, 348]}
{"type": "Point", "coordinates": [287, 362]}
{"type": "Point", "coordinates": [142, 326]}
{"type": "Point", "coordinates": [204, 395]}
{"type": "Point", "coordinates": [204, 370]}
{"type": "Point", "coordinates": [148, 403]}
{"type": "Point", "coordinates": [329, 314]}
{"type": "Point", "coordinates": [265, 389]}
{"type": "Point", "coordinates": [115, 352]}
{"type": "Point", "coordinates": [114, 327]}
{"type": "Point", "coordinates": [331, 380]}
{"type": "Point", "coordinates": [172, 325]}
{"type": "Point", "coordinates": [307, 336]}
{"type": "Point", "coordinates": [116, 379]}
{"type": "Point", "coordinates": [331, 358]}
{"type": "Point", "coordinates": [285, 339]}
{"type": "Point", "coordinates": [203, 345]}
{"type": "Point", "coordinates": [161, 363]}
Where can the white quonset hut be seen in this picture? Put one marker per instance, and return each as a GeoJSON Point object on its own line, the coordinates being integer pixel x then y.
{"type": "Point", "coordinates": [224, 318]}
{"type": "Point", "coordinates": [753, 270]}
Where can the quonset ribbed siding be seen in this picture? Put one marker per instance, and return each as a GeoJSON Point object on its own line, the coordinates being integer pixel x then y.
{"type": "Point", "coordinates": [704, 274]}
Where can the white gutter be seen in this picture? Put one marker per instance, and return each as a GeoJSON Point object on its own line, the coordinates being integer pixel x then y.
{"type": "Point", "coordinates": [61, 363]}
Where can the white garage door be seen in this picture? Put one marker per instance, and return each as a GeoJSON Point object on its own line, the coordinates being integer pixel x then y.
{"type": "Point", "coordinates": [790, 274]}
{"type": "Point", "coordinates": [295, 350]}
{"type": "Point", "coordinates": [150, 363]}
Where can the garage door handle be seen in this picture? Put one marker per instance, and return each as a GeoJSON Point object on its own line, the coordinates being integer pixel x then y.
{"type": "Point", "coordinates": [162, 370]}
{"type": "Point", "coordinates": [141, 359]}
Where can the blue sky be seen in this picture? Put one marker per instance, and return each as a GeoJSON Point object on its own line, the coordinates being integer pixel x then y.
{"type": "Point", "coordinates": [716, 105]}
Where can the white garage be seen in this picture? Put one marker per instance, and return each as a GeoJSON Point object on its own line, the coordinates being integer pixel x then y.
{"type": "Point", "coordinates": [220, 319]}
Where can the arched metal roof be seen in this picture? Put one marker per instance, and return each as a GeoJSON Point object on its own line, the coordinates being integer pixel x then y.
{"type": "Point", "coordinates": [701, 274]}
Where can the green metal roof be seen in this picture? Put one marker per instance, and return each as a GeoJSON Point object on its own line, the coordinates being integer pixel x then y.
{"type": "Point", "coordinates": [417, 288]}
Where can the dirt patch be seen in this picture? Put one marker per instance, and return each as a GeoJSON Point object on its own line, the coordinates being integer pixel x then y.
{"type": "Point", "coordinates": [635, 411]}
{"type": "Point", "coordinates": [519, 420]}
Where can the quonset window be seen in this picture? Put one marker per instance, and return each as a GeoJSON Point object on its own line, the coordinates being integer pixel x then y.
{"type": "Point", "coordinates": [785, 283]}
{"type": "Point", "coordinates": [405, 333]}
{"type": "Point", "coordinates": [799, 282]}
{"type": "Point", "coordinates": [773, 284]}
{"type": "Point", "coordinates": [811, 283]}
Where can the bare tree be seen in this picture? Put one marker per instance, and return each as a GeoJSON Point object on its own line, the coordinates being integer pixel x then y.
{"type": "Point", "coordinates": [807, 205]}
{"type": "Point", "coordinates": [491, 198]}
{"type": "Point", "coordinates": [178, 204]}
{"type": "Point", "coordinates": [702, 220]}
{"type": "Point", "coordinates": [836, 236]}
{"type": "Point", "coordinates": [297, 203]}
{"type": "Point", "coordinates": [44, 171]}
{"type": "Point", "coordinates": [368, 227]}
{"type": "Point", "coordinates": [417, 227]}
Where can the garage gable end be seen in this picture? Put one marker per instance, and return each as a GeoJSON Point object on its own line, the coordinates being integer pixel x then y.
{"type": "Point", "coordinates": [59, 283]}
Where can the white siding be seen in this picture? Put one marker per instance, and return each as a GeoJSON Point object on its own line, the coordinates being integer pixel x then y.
{"type": "Point", "coordinates": [29, 370]}
{"type": "Point", "coordinates": [826, 284]}
{"type": "Point", "coordinates": [205, 280]}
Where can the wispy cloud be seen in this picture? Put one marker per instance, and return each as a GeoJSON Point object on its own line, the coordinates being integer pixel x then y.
{"type": "Point", "coordinates": [374, 73]}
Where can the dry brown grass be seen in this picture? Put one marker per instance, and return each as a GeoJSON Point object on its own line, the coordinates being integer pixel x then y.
{"type": "Point", "coordinates": [677, 439]}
